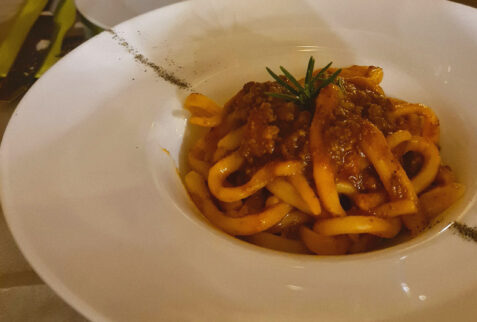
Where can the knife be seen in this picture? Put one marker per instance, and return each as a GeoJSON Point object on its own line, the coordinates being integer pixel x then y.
{"type": "Point", "coordinates": [31, 55]}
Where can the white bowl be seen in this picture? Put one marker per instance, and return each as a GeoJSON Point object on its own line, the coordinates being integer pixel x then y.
{"type": "Point", "coordinates": [98, 209]}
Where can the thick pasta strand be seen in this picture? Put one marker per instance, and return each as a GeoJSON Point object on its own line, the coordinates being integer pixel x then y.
{"type": "Point", "coordinates": [232, 140]}
{"type": "Point", "coordinates": [232, 209]}
{"type": "Point", "coordinates": [432, 160]}
{"type": "Point", "coordinates": [394, 139]}
{"type": "Point", "coordinates": [372, 73]}
{"type": "Point", "coordinates": [228, 143]}
{"type": "Point", "coordinates": [386, 228]}
{"type": "Point", "coordinates": [225, 167]}
{"type": "Point", "coordinates": [323, 172]}
{"type": "Point", "coordinates": [366, 83]}
{"type": "Point", "coordinates": [275, 242]}
{"type": "Point", "coordinates": [363, 243]}
{"type": "Point", "coordinates": [246, 225]}
{"type": "Point", "coordinates": [291, 221]}
{"type": "Point", "coordinates": [364, 201]}
{"type": "Point", "coordinates": [396, 208]}
{"type": "Point", "coordinates": [370, 200]}
{"type": "Point", "coordinates": [301, 185]}
{"type": "Point", "coordinates": [430, 129]}
{"type": "Point", "coordinates": [285, 191]}
{"type": "Point", "coordinates": [200, 157]}
{"type": "Point", "coordinates": [438, 199]}
{"type": "Point", "coordinates": [415, 223]}
{"type": "Point", "coordinates": [345, 188]}
{"type": "Point", "coordinates": [196, 158]}
{"type": "Point", "coordinates": [324, 245]}
{"type": "Point", "coordinates": [205, 112]}
{"type": "Point", "coordinates": [390, 171]}
{"type": "Point", "coordinates": [444, 176]}
{"type": "Point", "coordinates": [367, 77]}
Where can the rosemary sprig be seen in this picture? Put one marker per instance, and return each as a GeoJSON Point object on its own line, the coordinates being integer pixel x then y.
{"type": "Point", "coordinates": [304, 95]}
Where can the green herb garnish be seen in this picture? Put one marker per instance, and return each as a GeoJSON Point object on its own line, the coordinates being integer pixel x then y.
{"type": "Point", "coordinates": [303, 95]}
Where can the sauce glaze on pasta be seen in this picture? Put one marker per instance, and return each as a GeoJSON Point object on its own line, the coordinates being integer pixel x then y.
{"type": "Point", "coordinates": [359, 169]}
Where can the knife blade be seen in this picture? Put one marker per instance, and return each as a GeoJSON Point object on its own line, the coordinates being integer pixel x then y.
{"type": "Point", "coordinates": [32, 54]}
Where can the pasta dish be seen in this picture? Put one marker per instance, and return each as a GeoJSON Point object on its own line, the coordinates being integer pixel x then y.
{"type": "Point", "coordinates": [327, 164]}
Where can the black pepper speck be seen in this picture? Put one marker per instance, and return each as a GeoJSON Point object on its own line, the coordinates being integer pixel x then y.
{"type": "Point", "coordinates": [464, 231]}
{"type": "Point", "coordinates": [140, 58]}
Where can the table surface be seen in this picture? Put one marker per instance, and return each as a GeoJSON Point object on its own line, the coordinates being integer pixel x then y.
{"type": "Point", "coordinates": [23, 295]}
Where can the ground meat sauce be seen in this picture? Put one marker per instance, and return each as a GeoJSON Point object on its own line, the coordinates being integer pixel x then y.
{"type": "Point", "coordinates": [274, 129]}
{"type": "Point", "coordinates": [279, 130]}
{"type": "Point", "coordinates": [343, 134]}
